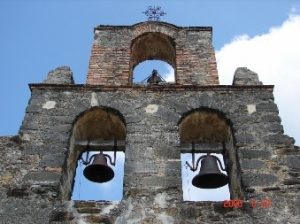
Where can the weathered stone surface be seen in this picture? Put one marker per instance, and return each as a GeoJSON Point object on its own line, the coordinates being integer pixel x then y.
{"type": "Point", "coordinates": [258, 179]}
{"type": "Point", "coordinates": [278, 139]}
{"type": "Point", "coordinates": [292, 181]}
{"type": "Point", "coordinates": [60, 214]}
{"type": "Point", "coordinates": [293, 161]}
{"type": "Point", "coordinates": [255, 154]}
{"type": "Point", "coordinates": [60, 75]}
{"type": "Point", "coordinates": [250, 164]}
{"type": "Point", "coordinates": [152, 146]}
{"type": "Point", "coordinates": [267, 107]}
{"type": "Point", "coordinates": [37, 167]}
{"type": "Point", "coordinates": [244, 138]}
{"type": "Point", "coordinates": [270, 118]}
{"type": "Point", "coordinates": [42, 177]}
{"type": "Point", "coordinates": [53, 160]}
{"type": "Point", "coordinates": [16, 210]}
{"type": "Point", "coordinates": [17, 192]}
{"type": "Point", "coordinates": [244, 76]}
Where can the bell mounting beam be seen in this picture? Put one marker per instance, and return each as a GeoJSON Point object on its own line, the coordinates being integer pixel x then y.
{"type": "Point", "coordinates": [101, 145]}
{"type": "Point", "coordinates": [203, 147]}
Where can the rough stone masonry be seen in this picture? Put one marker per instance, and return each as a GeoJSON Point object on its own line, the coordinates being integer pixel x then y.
{"type": "Point", "coordinates": [35, 168]}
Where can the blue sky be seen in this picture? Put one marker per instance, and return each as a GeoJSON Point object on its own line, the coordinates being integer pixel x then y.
{"type": "Point", "coordinates": [111, 190]}
{"type": "Point", "coordinates": [38, 36]}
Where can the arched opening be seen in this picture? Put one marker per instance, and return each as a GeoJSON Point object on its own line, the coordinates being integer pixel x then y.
{"type": "Point", "coordinates": [145, 68]}
{"type": "Point", "coordinates": [204, 125]}
{"type": "Point", "coordinates": [152, 46]}
{"type": "Point", "coordinates": [98, 130]}
{"type": "Point", "coordinates": [100, 123]}
{"type": "Point", "coordinates": [204, 133]}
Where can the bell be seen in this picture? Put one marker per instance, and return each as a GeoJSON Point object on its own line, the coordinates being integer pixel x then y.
{"type": "Point", "coordinates": [99, 171]}
{"type": "Point", "coordinates": [154, 78]}
{"type": "Point", "coordinates": [210, 175]}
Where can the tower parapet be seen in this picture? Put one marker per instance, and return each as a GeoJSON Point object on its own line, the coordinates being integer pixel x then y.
{"type": "Point", "coordinates": [244, 76]}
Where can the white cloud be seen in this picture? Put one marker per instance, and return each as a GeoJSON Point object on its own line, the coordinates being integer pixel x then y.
{"type": "Point", "coordinates": [169, 76]}
{"type": "Point", "coordinates": [275, 56]}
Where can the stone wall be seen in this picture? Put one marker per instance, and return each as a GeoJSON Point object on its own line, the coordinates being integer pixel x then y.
{"type": "Point", "coordinates": [21, 201]}
{"type": "Point", "coordinates": [32, 163]}
{"type": "Point", "coordinates": [60, 75]}
{"type": "Point", "coordinates": [37, 165]}
{"type": "Point", "coordinates": [188, 49]}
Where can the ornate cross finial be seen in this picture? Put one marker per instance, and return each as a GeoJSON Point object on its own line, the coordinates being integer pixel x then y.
{"type": "Point", "coordinates": [154, 13]}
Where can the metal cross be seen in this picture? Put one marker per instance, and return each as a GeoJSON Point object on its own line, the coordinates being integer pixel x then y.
{"type": "Point", "coordinates": [154, 13]}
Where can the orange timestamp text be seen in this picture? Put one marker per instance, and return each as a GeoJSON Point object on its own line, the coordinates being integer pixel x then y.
{"type": "Point", "coordinates": [237, 203]}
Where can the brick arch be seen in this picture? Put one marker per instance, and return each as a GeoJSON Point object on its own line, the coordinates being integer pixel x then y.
{"type": "Point", "coordinates": [103, 123]}
{"type": "Point", "coordinates": [152, 46]}
{"type": "Point", "coordinates": [150, 26]}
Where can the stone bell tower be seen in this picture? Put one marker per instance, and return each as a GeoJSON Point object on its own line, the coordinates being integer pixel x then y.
{"type": "Point", "coordinates": [152, 124]}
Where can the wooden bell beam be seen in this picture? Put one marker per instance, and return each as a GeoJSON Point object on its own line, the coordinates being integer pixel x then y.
{"type": "Point", "coordinates": [202, 147]}
{"type": "Point", "coordinates": [100, 145]}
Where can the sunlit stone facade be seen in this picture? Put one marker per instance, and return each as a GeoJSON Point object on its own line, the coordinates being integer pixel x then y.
{"type": "Point", "coordinates": [155, 124]}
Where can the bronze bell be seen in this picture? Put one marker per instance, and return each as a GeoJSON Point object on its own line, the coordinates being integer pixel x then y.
{"type": "Point", "coordinates": [210, 175]}
{"type": "Point", "coordinates": [154, 78]}
{"type": "Point", "coordinates": [99, 171]}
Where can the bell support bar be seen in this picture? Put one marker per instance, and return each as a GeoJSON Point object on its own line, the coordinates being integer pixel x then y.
{"type": "Point", "coordinates": [200, 147]}
{"type": "Point", "coordinates": [102, 145]}
{"type": "Point", "coordinates": [88, 159]}
{"type": "Point", "coordinates": [194, 165]}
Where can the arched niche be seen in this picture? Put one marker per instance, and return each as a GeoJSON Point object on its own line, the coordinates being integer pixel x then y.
{"type": "Point", "coordinates": [97, 123]}
{"type": "Point", "coordinates": [152, 46]}
{"type": "Point", "coordinates": [100, 123]}
{"type": "Point", "coordinates": [204, 125]}
{"type": "Point", "coordinates": [210, 128]}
